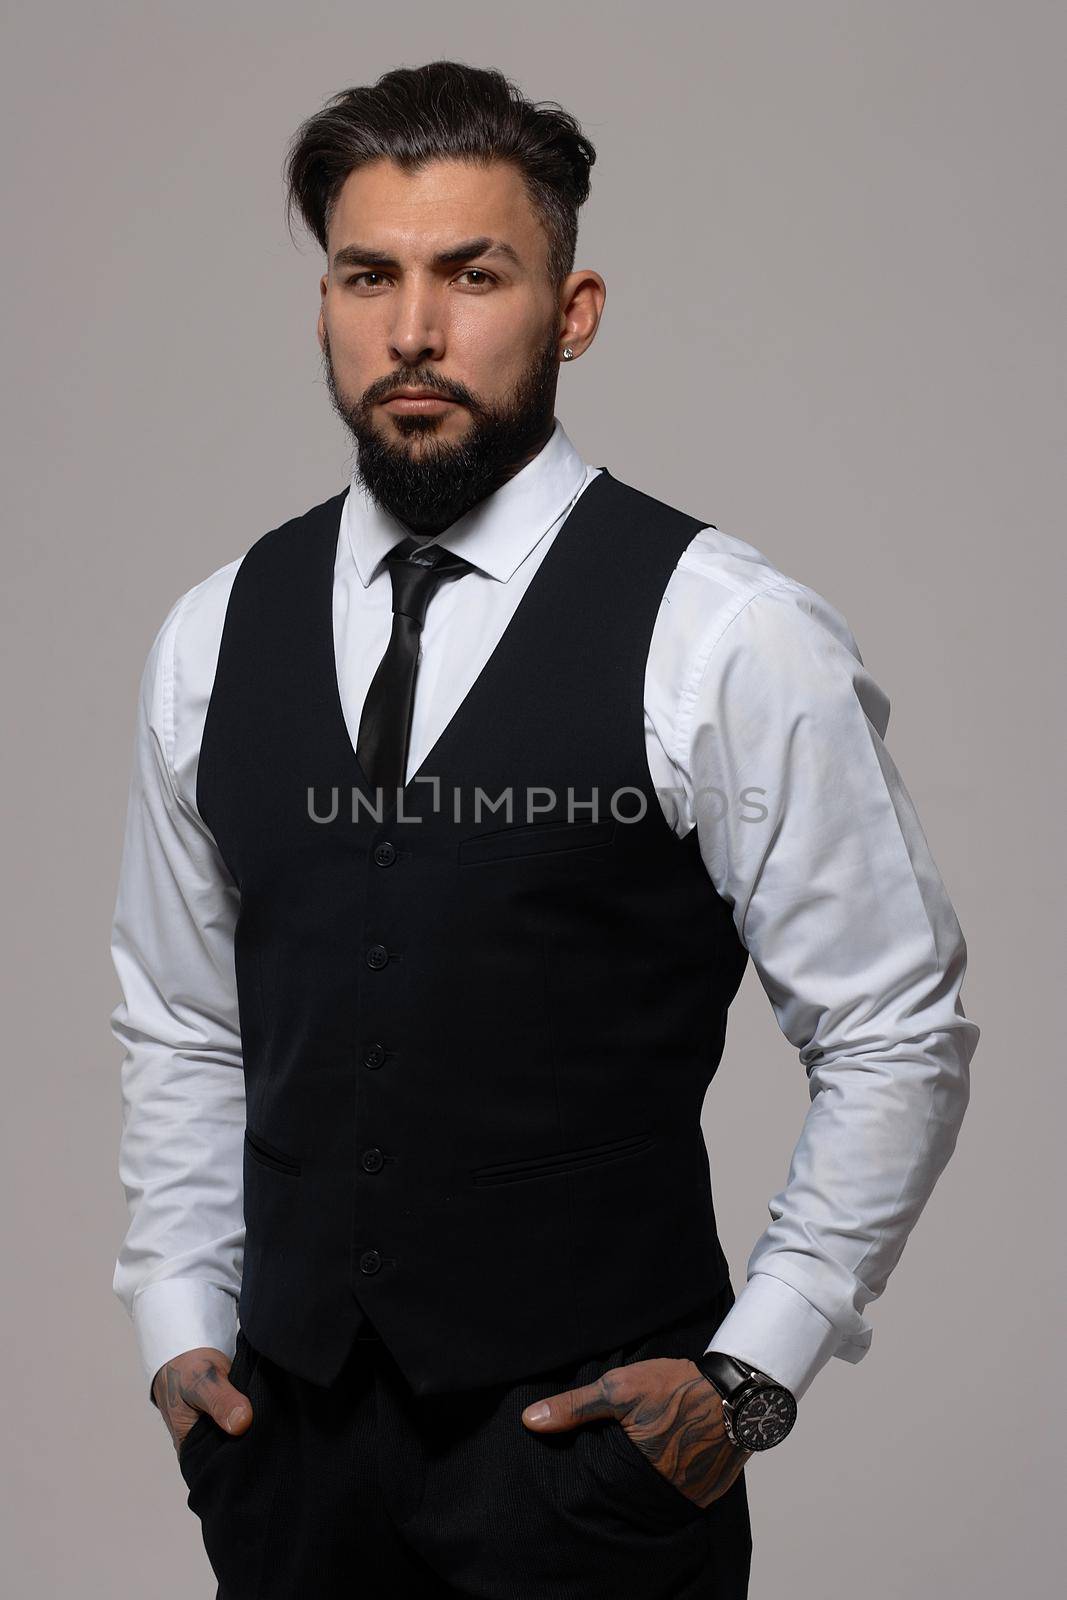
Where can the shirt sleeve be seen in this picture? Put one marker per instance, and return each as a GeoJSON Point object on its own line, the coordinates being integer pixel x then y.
{"type": "Point", "coordinates": [807, 830]}
{"type": "Point", "coordinates": [178, 1270]}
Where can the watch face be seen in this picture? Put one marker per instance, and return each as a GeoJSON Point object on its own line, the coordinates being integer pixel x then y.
{"type": "Point", "coordinates": [764, 1417]}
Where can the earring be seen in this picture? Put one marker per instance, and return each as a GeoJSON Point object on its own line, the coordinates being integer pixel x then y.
{"type": "Point", "coordinates": [568, 353]}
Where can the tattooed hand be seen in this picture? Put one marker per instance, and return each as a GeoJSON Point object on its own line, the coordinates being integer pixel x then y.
{"type": "Point", "coordinates": [197, 1381]}
{"type": "Point", "coordinates": [670, 1411]}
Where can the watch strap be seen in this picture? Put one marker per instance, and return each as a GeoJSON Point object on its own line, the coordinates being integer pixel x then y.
{"type": "Point", "coordinates": [726, 1372]}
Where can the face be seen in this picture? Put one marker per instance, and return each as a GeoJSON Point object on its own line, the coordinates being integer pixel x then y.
{"type": "Point", "coordinates": [438, 280]}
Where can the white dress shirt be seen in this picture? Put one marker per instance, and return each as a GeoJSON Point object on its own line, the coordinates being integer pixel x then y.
{"type": "Point", "coordinates": [764, 730]}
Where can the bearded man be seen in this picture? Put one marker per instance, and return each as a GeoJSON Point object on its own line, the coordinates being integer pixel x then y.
{"type": "Point", "coordinates": [459, 803]}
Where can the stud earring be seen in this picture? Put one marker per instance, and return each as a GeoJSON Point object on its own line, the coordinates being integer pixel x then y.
{"type": "Point", "coordinates": [568, 353]}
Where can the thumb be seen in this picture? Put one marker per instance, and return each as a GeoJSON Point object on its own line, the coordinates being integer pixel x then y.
{"type": "Point", "coordinates": [231, 1408]}
{"type": "Point", "coordinates": [570, 1408]}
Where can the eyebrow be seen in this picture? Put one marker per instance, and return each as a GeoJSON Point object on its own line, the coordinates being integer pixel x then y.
{"type": "Point", "coordinates": [358, 255]}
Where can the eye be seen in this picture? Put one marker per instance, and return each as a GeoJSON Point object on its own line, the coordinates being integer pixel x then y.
{"type": "Point", "coordinates": [484, 278]}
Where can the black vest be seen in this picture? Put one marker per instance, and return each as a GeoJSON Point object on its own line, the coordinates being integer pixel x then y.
{"type": "Point", "coordinates": [475, 1050]}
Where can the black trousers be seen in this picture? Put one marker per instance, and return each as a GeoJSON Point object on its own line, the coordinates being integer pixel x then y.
{"type": "Point", "coordinates": [361, 1490]}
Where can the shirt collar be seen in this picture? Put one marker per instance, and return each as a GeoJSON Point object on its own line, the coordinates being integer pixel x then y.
{"type": "Point", "coordinates": [496, 535]}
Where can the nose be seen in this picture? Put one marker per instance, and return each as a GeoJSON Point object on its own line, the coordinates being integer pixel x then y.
{"type": "Point", "coordinates": [417, 333]}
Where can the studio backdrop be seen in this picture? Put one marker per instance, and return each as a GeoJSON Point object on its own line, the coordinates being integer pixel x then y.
{"type": "Point", "coordinates": [832, 237]}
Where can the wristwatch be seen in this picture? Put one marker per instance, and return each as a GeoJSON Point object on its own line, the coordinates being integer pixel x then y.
{"type": "Point", "coordinates": [757, 1410]}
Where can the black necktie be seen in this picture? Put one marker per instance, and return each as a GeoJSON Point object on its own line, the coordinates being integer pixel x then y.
{"type": "Point", "coordinates": [385, 724]}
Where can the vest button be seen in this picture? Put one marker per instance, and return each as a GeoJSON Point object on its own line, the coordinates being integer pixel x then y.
{"type": "Point", "coordinates": [373, 1161]}
{"type": "Point", "coordinates": [377, 956]}
{"type": "Point", "coordinates": [385, 853]}
{"type": "Point", "coordinates": [374, 1056]}
{"type": "Point", "coordinates": [370, 1261]}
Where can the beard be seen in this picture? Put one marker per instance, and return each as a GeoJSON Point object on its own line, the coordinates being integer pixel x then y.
{"type": "Point", "coordinates": [429, 489]}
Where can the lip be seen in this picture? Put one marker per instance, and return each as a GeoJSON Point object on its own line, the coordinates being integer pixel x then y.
{"type": "Point", "coordinates": [426, 401]}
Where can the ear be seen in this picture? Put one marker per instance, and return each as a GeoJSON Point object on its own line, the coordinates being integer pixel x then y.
{"type": "Point", "coordinates": [581, 307]}
{"type": "Point", "coordinates": [324, 284]}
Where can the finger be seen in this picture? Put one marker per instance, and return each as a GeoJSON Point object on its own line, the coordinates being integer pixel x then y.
{"type": "Point", "coordinates": [571, 1407]}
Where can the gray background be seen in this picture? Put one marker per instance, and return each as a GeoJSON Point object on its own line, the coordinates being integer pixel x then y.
{"type": "Point", "coordinates": [833, 241]}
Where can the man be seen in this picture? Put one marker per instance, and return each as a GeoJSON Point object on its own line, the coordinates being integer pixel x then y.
{"type": "Point", "coordinates": [459, 804]}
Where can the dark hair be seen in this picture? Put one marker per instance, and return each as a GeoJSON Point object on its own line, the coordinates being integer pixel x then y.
{"type": "Point", "coordinates": [445, 110]}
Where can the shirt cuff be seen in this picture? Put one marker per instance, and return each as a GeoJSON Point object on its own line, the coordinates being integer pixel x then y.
{"type": "Point", "coordinates": [771, 1326]}
{"type": "Point", "coordinates": [178, 1314]}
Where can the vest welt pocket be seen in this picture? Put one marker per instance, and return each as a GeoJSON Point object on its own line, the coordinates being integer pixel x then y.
{"type": "Point", "coordinates": [590, 1155]}
{"type": "Point", "coordinates": [270, 1155]}
{"type": "Point", "coordinates": [535, 838]}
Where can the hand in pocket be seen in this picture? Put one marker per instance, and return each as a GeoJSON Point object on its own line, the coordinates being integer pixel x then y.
{"type": "Point", "coordinates": [668, 1409]}
{"type": "Point", "coordinates": [197, 1383]}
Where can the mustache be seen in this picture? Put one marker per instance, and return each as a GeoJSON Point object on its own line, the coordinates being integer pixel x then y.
{"type": "Point", "coordinates": [387, 388]}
